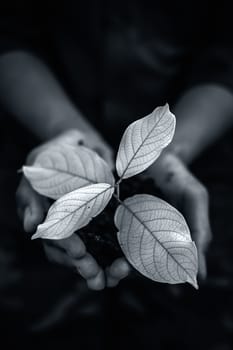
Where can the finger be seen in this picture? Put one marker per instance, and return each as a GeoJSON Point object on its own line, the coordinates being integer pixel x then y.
{"type": "Point", "coordinates": [117, 271]}
{"type": "Point", "coordinates": [87, 266]}
{"type": "Point", "coordinates": [202, 266]}
{"type": "Point", "coordinates": [57, 256]}
{"type": "Point", "coordinates": [197, 215]}
{"type": "Point", "coordinates": [73, 245]}
{"type": "Point", "coordinates": [97, 282]}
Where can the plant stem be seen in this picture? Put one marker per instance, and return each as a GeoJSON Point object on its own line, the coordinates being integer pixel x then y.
{"type": "Point", "coordinates": [117, 198]}
{"type": "Point", "coordinates": [118, 181]}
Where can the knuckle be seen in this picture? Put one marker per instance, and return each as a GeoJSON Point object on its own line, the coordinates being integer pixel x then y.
{"type": "Point", "coordinates": [80, 251]}
{"type": "Point", "coordinates": [77, 252]}
{"type": "Point", "coordinates": [200, 191]}
{"type": "Point", "coordinates": [114, 270]}
{"type": "Point", "coordinates": [74, 247]}
{"type": "Point", "coordinates": [91, 270]}
{"type": "Point", "coordinates": [96, 283]}
{"type": "Point", "coordinates": [119, 269]}
{"type": "Point", "coordinates": [88, 268]}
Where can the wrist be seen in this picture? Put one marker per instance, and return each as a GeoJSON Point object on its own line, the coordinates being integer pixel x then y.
{"type": "Point", "coordinates": [62, 122]}
{"type": "Point", "coordinates": [62, 117]}
{"type": "Point", "coordinates": [203, 114]}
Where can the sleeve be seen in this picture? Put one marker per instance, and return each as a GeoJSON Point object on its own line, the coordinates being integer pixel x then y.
{"type": "Point", "coordinates": [22, 26]}
{"type": "Point", "coordinates": [213, 60]}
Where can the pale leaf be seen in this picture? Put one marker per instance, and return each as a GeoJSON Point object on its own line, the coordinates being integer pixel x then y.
{"type": "Point", "coordinates": [74, 211]}
{"type": "Point", "coordinates": [143, 142]}
{"type": "Point", "coordinates": [60, 169]}
{"type": "Point", "coordinates": [156, 240]}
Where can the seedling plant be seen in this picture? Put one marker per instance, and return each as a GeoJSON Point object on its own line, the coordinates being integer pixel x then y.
{"type": "Point", "coordinates": [152, 234]}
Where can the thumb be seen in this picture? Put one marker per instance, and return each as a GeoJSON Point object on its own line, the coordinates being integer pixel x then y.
{"type": "Point", "coordinates": [33, 215]}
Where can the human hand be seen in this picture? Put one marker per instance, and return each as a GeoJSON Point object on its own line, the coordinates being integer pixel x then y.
{"type": "Point", "coordinates": [74, 137]}
{"type": "Point", "coordinates": [183, 190]}
{"type": "Point", "coordinates": [71, 252]}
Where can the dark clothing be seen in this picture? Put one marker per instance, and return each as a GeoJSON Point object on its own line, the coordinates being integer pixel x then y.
{"type": "Point", "coordinates": [120, 59]}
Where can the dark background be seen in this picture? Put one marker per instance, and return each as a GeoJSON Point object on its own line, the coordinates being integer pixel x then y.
{"type": "Point", "coordinates": [43, 304]}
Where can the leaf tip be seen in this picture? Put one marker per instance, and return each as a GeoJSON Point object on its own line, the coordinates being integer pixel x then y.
{"type": "Point", "coordinates": [40, 232]}
{"type": "Point", "coordinates": [25, 170]}
{"type": "Point", "coordinates": [35, 236]}
{"type": "Point", "coordinates": [194, 283]}
{"type": "Point", "coordinates": [166, 109]}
